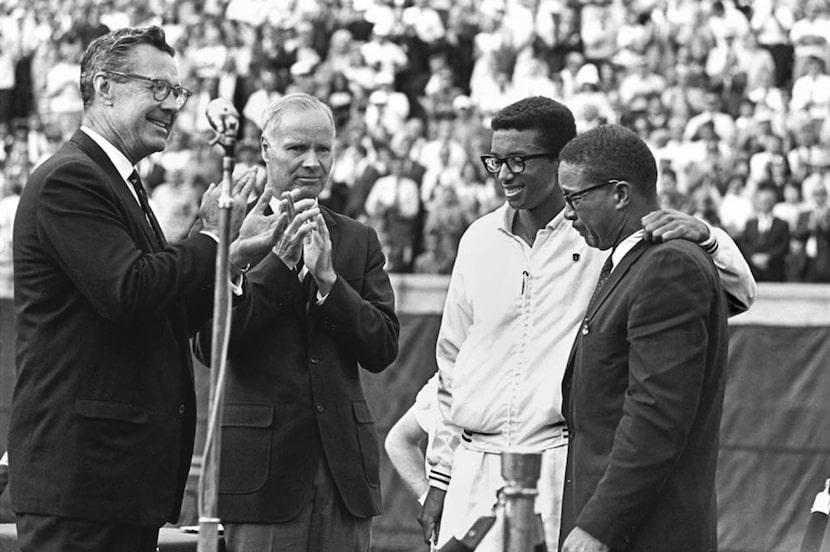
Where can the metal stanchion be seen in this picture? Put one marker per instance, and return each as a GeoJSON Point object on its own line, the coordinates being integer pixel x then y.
{"type": "Point", "coordinates": [522, 525]}
{"type": "Point", "coordinates": [224, 119]}
{"type": "Point", "coordinates": [817, 524]}
{"type": "Point", "coordinates": [514, 515]}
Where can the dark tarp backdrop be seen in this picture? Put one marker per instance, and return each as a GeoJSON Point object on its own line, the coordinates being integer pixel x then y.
{"type": "Point", "coordinates": [775, 436]}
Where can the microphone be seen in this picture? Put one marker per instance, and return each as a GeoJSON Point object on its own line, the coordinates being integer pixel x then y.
{"type": "Point", "coordinates": [224, 120]}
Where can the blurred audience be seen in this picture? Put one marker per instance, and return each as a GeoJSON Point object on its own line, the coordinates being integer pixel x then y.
{"type": "Point", "coordinates": [732, 97]}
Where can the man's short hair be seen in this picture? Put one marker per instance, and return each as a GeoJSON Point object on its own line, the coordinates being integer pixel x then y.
{"type": "Point", "coordinates": [110, 52]}
{"type": "Point", "coordinates": [613, 152]}
{"type": "Point", "coordinates": [553, 121]}
{"type": "Point", "coordinates": [768, 186]}
{"type": "Point", "coordinates": [299, 101]}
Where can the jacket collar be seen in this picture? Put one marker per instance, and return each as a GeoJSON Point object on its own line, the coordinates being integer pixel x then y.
{"type": "Point", "coordinates": [115, 180]}
{"type": "Point", "coordinates": [617, 274]}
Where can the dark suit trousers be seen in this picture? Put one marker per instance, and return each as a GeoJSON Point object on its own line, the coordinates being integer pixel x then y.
{"type": "Point", "coordinates": [36, 533]}
{"type": "Point", "coordinates": [323, 525]}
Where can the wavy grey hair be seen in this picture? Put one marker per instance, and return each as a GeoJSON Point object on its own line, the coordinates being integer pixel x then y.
{"type": "Point", "coordinates": [111, 52]}
{"type": "Point", "coordinates": [292, 102]}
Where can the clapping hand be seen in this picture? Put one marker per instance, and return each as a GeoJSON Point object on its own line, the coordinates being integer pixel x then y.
{"type": "Point", "coordinates": [258, 234]}
{"type": "Point", "coordinates": [209, 210]}
{"type": "Point", "coordinates": [317, 255]}
{"type": "Point", "coordinates": [289, 247]}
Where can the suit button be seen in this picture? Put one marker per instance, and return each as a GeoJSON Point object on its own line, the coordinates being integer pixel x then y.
{"type": "Point", "coordinates": [314, 360]}
{"type": "Point", "coordinates": [320, 408]}
{"type": "Point", "coordinates": [181, 409]}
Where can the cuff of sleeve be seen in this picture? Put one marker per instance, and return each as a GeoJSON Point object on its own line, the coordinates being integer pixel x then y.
{"type": "Point", "coordinates": [710, 244]}
{"type": "Point", "coordinates": [211, 235]}
{"type": "Point", "coordinates": [438, 479]}
{"type": "Point", "coordinates": [290, 266]}
{"type": "Point", "coordinates": [236, 285]}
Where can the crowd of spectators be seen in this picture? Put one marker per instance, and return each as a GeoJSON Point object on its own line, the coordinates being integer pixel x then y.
{"type": "Point", "coordinates": [733, 99]}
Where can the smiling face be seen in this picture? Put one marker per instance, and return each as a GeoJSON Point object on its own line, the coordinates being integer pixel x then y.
{"type": "Point", "coordinates": [536, 185]}
{"type": "Point", "coordinates": [298, 152]}
{"type": "Point", "coordinates": [141, 124]}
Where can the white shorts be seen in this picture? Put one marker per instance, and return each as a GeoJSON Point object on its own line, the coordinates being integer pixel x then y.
{"type": "Point", "coordinates": [476, 480]}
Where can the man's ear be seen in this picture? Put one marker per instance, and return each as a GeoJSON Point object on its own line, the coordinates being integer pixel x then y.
{"type": "Point", "coordinates": [622, 194]}
{"type": "Point", "coordinates": [103, 88]}
{"type": "Point", "coordinates": [264, 146]}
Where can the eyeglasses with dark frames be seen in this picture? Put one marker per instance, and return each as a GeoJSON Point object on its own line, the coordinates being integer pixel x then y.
{"type": "Point", "coordinates": [159, 87]}
{"type": "Point", "coordinates": [573, 198]}
{"type": "Point", "coordinates": [515, 163]}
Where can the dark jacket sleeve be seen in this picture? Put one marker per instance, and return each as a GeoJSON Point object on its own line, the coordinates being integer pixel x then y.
{"type": "Point", "coordinates": [84, 227]}
{"type": "Point", "coordinates": [360, 314]}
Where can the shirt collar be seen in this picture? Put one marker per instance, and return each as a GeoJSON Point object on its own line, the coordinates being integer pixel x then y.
{"type": "Point", "coordinates": [510, 215]}
{"type": "Point", "coordinates": [118, 159]}
{"type": "Point", "coordinates": [625, 246]}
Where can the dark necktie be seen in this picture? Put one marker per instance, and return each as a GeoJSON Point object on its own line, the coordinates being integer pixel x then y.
{"type": "Point", "coordinates": [603, 276]}
{"type": "Point", "coordinates": [309, 285]}
{"type": "Point", "coordinates": [145, 206]}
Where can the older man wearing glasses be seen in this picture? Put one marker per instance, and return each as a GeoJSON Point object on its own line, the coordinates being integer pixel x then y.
{"type": "Point", "coordinates": [520, 287]}
{"type": "Point", "coordinates": [103, 412]}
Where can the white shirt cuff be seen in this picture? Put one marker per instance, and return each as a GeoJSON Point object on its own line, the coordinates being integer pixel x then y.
{"type": "Point", "coordinates": [236, 285]}
{"type": "Point", "coordinates": [211, 235]}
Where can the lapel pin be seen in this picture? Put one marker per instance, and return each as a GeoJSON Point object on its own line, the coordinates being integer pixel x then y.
{"type": "Point", "coordinates": [575, 257]}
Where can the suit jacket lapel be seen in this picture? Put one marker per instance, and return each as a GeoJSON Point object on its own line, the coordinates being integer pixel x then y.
{"type": "Point", "coordinates": [617, 275]}
{"type": "Point", "coordinates": [334, 233]}
{"type": "Point", "coordinates": [88, 146]}
{"type": "Point", "coordinates": [615, 278]}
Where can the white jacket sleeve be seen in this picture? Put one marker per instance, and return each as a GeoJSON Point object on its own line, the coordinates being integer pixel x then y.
{"type": "Point", "coordinates": [456, 320]}
{"type": "Point", "coordinates": [735, 274]}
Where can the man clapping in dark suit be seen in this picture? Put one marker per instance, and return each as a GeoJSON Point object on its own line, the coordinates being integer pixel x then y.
{"type": "Point", "coordinates": [103, 412]}
{"type": "Point", "coordinates": [643, 390]}
{"type": "Point", "coordinates": [299, 468]}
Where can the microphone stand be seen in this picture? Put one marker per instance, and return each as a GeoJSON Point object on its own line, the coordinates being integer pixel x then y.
{"type": "Point", "coordinates": [224, 119]}
{"type": "Point", "coordinates": [517, 527]}
{"type": "Point", "coordinates": [817, 523]}
{"type": "Point", "coordinates": [523, 531]}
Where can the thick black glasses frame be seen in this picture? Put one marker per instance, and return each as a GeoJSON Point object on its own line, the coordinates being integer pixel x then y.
{"type": "Point", "coordinates": [515, 163]}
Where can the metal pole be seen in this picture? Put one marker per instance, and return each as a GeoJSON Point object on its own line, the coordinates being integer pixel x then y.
{"type": "Point", "coordinates": [521, 473]}
{"type": "Point", "coordinates": [225, 120]}
{"type": "Point", "coordinates": [817, 524]}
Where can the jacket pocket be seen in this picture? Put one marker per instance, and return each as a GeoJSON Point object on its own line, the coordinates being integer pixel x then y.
{"type": "Point", "coordinates": [367, 438]}
{"type": "Point", "coordinates": [109, 410]}
{"type": "Point", "coordinates": [112, 434]}
{"type": "Point", "coordinates": [246, 447]}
